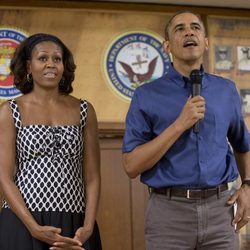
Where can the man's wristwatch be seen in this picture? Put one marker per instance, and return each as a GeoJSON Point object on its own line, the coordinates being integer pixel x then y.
{"type": "Point", "coordinates": [246, 182]}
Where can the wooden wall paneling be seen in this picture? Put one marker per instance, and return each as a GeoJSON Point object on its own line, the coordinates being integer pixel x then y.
{"type": "Point", "coordinates": [111, 135]}
{"type": "Point", "coordinates": [231, 33]}
{"type": "Point", "coordinates": [96, 5]}
{"type": "Point", "coordinates": [114, 216]}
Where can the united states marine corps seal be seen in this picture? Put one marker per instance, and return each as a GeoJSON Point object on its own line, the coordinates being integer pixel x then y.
{"type": "Point", "coordinates": [132, 59]}
{"type": "Point", "coordinates": [10, 38]}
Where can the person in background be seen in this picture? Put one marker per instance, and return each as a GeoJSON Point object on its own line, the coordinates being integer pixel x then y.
{"type": "Point", "coordinates": [244, 61]}
{"type": "Point", "coordinates": [223, 62]}
{"type": "Point", "coordinates": [188, 171]}
{"type": "Point", "coordinates": [49, 154]}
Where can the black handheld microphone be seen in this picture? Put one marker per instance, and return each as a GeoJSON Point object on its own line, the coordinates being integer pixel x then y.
{"type": "Point", "coordinates": [196, 79]}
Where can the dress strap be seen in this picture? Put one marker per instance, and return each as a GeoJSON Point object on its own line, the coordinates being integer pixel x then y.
{"type": "Point", "coordinates": [15, 113]}
{"type": "Point", "coordinates": [83, 113]}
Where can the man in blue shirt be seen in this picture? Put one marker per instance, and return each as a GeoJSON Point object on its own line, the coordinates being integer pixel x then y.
{"type": "Point", "coordinates": [187, 172]}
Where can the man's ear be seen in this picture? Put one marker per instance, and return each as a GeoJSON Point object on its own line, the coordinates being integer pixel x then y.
{"type": "Point", "coordinates": [206, 43]}
{"type": "Point", "coordinates": [166, 47]}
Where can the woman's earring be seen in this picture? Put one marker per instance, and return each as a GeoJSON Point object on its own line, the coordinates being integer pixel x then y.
{"type": "Point", "coordinates": [29, 77]}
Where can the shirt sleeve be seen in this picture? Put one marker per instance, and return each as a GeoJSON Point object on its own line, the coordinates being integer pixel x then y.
{"type": "Point", "coordinates": [138, 128]}
{"type": "Point", "coordinates": [238, 134]}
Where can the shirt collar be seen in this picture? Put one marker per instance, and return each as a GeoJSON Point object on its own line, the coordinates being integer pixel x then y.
{"type": "Point", "coordinates": [183, 81]}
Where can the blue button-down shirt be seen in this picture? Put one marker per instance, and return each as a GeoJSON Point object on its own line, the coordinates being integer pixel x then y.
{"type": "Point", "coordinates": [203, 159]}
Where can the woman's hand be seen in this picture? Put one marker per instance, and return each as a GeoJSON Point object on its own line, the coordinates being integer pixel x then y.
{"type": "Point", "coordinates": [82, 234]}
{"type": "Point", "coordinates": [51, 235]}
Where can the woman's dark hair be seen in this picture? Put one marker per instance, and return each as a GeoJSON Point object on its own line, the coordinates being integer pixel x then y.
{"type": "Point", "coordinates": [18, 65]}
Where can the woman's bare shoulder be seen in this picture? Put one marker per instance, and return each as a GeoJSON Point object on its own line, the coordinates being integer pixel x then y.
{"type": "Point", "coordinates": [4, 108]}
{"type": "Point", "coordinates": [91, 113]}
{"type": "Point", "coordinates": [5, 112]}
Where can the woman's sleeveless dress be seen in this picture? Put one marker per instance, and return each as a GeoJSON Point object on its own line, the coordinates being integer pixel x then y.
{"type": "Point", "coordinates": [49, 177]}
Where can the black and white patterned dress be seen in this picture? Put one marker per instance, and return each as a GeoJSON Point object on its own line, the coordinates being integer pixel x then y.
{"type": "Point", "coordinates": [49, 178]}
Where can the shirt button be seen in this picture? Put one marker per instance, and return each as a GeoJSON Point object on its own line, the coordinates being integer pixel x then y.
{"type": "Point", "coordinates": [200, 138]}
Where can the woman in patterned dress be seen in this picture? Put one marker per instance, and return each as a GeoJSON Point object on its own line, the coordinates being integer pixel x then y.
{"type": "Point", "coordinates": [49, 154]}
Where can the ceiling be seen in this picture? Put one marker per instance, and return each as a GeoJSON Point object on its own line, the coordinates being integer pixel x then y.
{"type": "Point", "coordinates": [241, 4]}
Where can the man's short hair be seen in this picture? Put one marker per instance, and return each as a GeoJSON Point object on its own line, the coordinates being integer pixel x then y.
{"type": "Point", "coordinates": [176, 14]}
